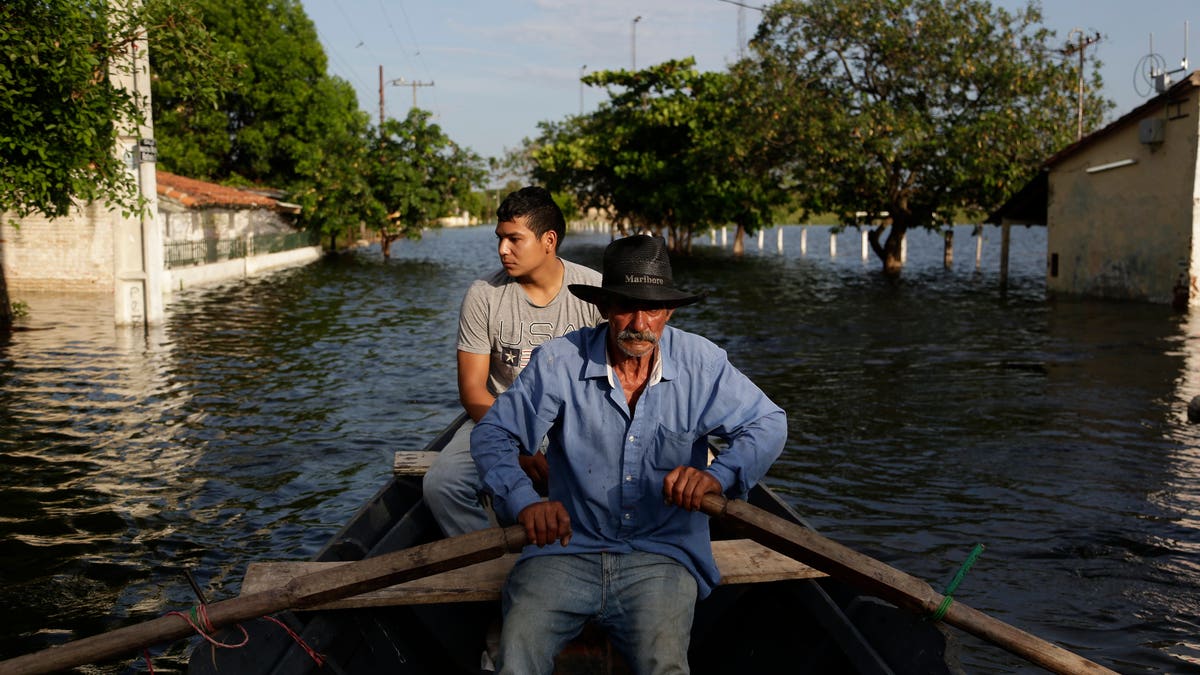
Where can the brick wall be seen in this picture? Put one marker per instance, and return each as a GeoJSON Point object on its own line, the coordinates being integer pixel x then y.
{"type": "Point", "coordinates": [72, 253]}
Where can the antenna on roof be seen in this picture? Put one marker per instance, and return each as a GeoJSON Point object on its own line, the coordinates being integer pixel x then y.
{"type": "Point", "coordinates": [1157, 74]}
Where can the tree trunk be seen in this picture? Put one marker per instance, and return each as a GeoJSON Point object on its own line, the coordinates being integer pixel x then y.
{"type": "Point", "coordinates": [889, 250]}
{"type": "Point", "coordinates": [739, 240]}
{"type": "Point", "coordinates": [385, 243]}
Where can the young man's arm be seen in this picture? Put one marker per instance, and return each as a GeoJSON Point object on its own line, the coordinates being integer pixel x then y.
{"type": "Point", "coordinates": [472, 383]}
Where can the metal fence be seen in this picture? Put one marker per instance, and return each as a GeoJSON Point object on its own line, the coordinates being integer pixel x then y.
{"type": "Point", "coordinates": [184, 253]}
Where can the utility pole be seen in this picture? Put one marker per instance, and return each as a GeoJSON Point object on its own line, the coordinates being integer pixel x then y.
{"type": "Point", "coordinates": [401, 82]}
{"type": "Point", "coordinates": [381, 96]}
{"type": "Point", "coordinates": [633, 41]}
{"type": "Point", "coordinates": [1080, 46]}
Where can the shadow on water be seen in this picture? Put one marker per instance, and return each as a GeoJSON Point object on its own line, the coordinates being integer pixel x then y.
{"type": "Point", "coordinates": [926, 414]}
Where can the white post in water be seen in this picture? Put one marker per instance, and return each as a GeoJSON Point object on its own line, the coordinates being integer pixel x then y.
{"type": "Point", "coordinates": [779, 239]}
{"type": "Point", "coordinates": [724, 236]}
{"type": "Point", "coordinates": [760, 239]}
{"type": "Point", "coordinates": [1005, 238]}
{"type": "Point", "coordinates": [138, 267]}
{"type": "Point", "coordinates": [832, 244]}
{"type": "Point", "coordinates": [866, 246]}
{"type": "Point", "coordinates": [904, 249]}
{"type": "Point", "coordinates": [978, 246]}
{"type": "Point", "coordinates": [803, 240]}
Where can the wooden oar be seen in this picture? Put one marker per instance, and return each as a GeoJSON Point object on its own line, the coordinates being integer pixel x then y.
{"type": "Point", "coordinates": [312, 589]}
{"type": "Point", "coordinates": [889, 583]}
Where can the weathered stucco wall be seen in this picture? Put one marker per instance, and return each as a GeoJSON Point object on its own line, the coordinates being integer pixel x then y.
{"type": "Point", "coordinates": [180, 224]}
{"type": "Point", "coordinates": [72, 253]}
{"type": "Point", "coordinates": [1127, 232]}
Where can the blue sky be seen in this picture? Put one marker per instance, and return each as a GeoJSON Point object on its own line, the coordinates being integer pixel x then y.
{"type": "Point", "coordinates": [498, 67]}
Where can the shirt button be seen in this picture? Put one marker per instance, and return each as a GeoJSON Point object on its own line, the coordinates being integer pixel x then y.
{"type": "Point", "coordinates": [632, 438]}
{"type": "Point", "coordinates": [628, 516]}
{"type": "Point", "coordinates": [628, 479]}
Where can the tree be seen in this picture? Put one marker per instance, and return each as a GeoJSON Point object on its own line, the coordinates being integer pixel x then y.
{"type": "Point", "coordinates": [418, 174]}
{"type": "Point", "coordinates": [672, 149]}
{"type": "Point", "coordinates": [911, 110]}
{"type": "Point", "coordinates": [277, 112]}
{"type": "Point", "coordinates": [60, 113]}
{"type": "Point", "coordinates": [336, 196]}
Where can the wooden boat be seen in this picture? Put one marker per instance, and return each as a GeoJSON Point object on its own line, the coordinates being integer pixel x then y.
{"type": "Point", "coordinates": [761, 619]}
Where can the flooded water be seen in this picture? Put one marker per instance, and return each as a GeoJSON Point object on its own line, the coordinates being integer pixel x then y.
{"type": "Point", "coordinates": [926, 415]}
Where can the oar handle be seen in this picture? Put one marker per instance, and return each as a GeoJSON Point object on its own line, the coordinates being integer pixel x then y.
{"type": "Point", "coordinates": [312, 589]}
{"type": "Point", "coordinates": [883, 581]}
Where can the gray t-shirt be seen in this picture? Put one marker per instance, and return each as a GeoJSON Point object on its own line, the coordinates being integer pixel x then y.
{"type": "Point", "coordinates": [498, 318]}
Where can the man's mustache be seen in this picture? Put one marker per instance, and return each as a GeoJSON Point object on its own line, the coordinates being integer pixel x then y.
{"type": "Point", "coordinates": [640, 335]}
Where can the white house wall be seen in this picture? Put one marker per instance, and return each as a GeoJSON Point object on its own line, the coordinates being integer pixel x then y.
{"type": "Point", "coordinates": [213, 223]}
{"type": "Point", "coordinates": [1127, 232]}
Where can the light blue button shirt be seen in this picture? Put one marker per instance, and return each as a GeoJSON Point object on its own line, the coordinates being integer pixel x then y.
{"type": "Point", "coordinates": [607, 466]}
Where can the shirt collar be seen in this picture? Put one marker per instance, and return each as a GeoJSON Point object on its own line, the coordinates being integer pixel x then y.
{"type": "Point", "coordinates": [598, 364]}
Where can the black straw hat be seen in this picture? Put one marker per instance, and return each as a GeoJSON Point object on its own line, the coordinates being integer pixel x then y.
{"type": "Point", "coordinates": [636, 268]}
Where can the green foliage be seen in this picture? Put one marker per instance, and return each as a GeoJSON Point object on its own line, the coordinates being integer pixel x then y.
{"type": "Point", "coordinates": [20, 309]}
{"type": "Point", "coordinates": [59, 113]}
{"type": "Point", "coordinates": [277, 113]}
{"type": "Point", "coordinates": [418, 174]}
{"type": "Point", "coordinates": [671, 149]}
{"type": "Point", "coordinates": [917, 108]}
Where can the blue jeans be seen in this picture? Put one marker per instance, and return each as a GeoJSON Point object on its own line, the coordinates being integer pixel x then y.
{"type": "Point", "coordinates": [451, 487]}
{"type": "Point", "coordinates": [645, 601]}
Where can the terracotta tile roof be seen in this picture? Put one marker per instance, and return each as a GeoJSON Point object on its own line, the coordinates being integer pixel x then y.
{"type": "Point", "coordinates": [194, 194]}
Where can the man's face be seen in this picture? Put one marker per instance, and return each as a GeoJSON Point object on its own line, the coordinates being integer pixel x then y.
{"type": "Point", "coordinates": [634, 328]}
{"type": "Point", "coordinates": [521, 251]}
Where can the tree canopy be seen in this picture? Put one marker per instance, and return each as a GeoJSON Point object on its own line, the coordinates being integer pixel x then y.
{"type": "Point", "coordinates": [667, 151]}
{"type": "Point", "coordinates": [418, 174]}
{"type": "Point", "coordinates": [59, 112]}
{"type": "Point", "coordinates": [278, 110]}
{"type": "Point", "coordinates": [912, 110]}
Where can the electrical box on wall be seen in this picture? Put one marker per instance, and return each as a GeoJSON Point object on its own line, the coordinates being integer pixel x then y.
{"type": "Point", "coordinates": [1152, 131]}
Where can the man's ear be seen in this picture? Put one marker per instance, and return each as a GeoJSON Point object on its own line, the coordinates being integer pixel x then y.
{"type": "Point", "coordinates": [550, 241]}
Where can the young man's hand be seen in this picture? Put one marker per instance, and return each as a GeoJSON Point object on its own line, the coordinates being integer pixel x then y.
{"type": "Point", "coordinates": [538, 470]}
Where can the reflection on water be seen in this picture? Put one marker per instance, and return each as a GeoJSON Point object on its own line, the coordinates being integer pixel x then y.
{"type": "Point", "coordinates": [926, 414]}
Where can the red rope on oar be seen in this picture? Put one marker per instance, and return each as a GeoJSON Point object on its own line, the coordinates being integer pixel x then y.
{"type": "Point", "coordinates": [312, 653]}
{"type": "Point", "coordinates": [198, 620]}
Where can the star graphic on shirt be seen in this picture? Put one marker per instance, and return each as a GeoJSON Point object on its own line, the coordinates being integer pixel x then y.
{"type": "Point", "coordinates": [512, 357]}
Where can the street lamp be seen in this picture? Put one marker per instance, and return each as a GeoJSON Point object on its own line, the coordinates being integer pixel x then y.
{"type": "Point", "coordinates": [582, 69]}
{"type": "Point", "coordinates": [633, 41]}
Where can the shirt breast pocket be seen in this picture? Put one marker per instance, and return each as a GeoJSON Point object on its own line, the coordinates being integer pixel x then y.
{"type": "Point", "coordinates": [671, 449]}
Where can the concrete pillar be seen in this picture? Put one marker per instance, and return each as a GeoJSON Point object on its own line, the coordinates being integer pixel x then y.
{"type": "Point", "coordinates": [139, 272]}
{"type": "Point", "coordinates": [803, 239]}
{"type": "Point", "coordinates": [832, 244]}
{"type": "Point", "coordinates": [1004, 242]}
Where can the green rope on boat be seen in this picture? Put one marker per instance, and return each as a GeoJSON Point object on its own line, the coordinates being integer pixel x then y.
{"type": "Point", "coordinates": [958, 577]}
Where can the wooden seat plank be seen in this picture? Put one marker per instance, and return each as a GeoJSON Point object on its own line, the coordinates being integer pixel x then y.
{"type": "Point", "coordinates": [412, 463]}
{"type": "Point", "coordinates": [741, 561]}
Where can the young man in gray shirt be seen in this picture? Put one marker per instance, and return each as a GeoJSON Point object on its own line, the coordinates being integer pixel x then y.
{"type": "Point", "coordinates": [504, 316]}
